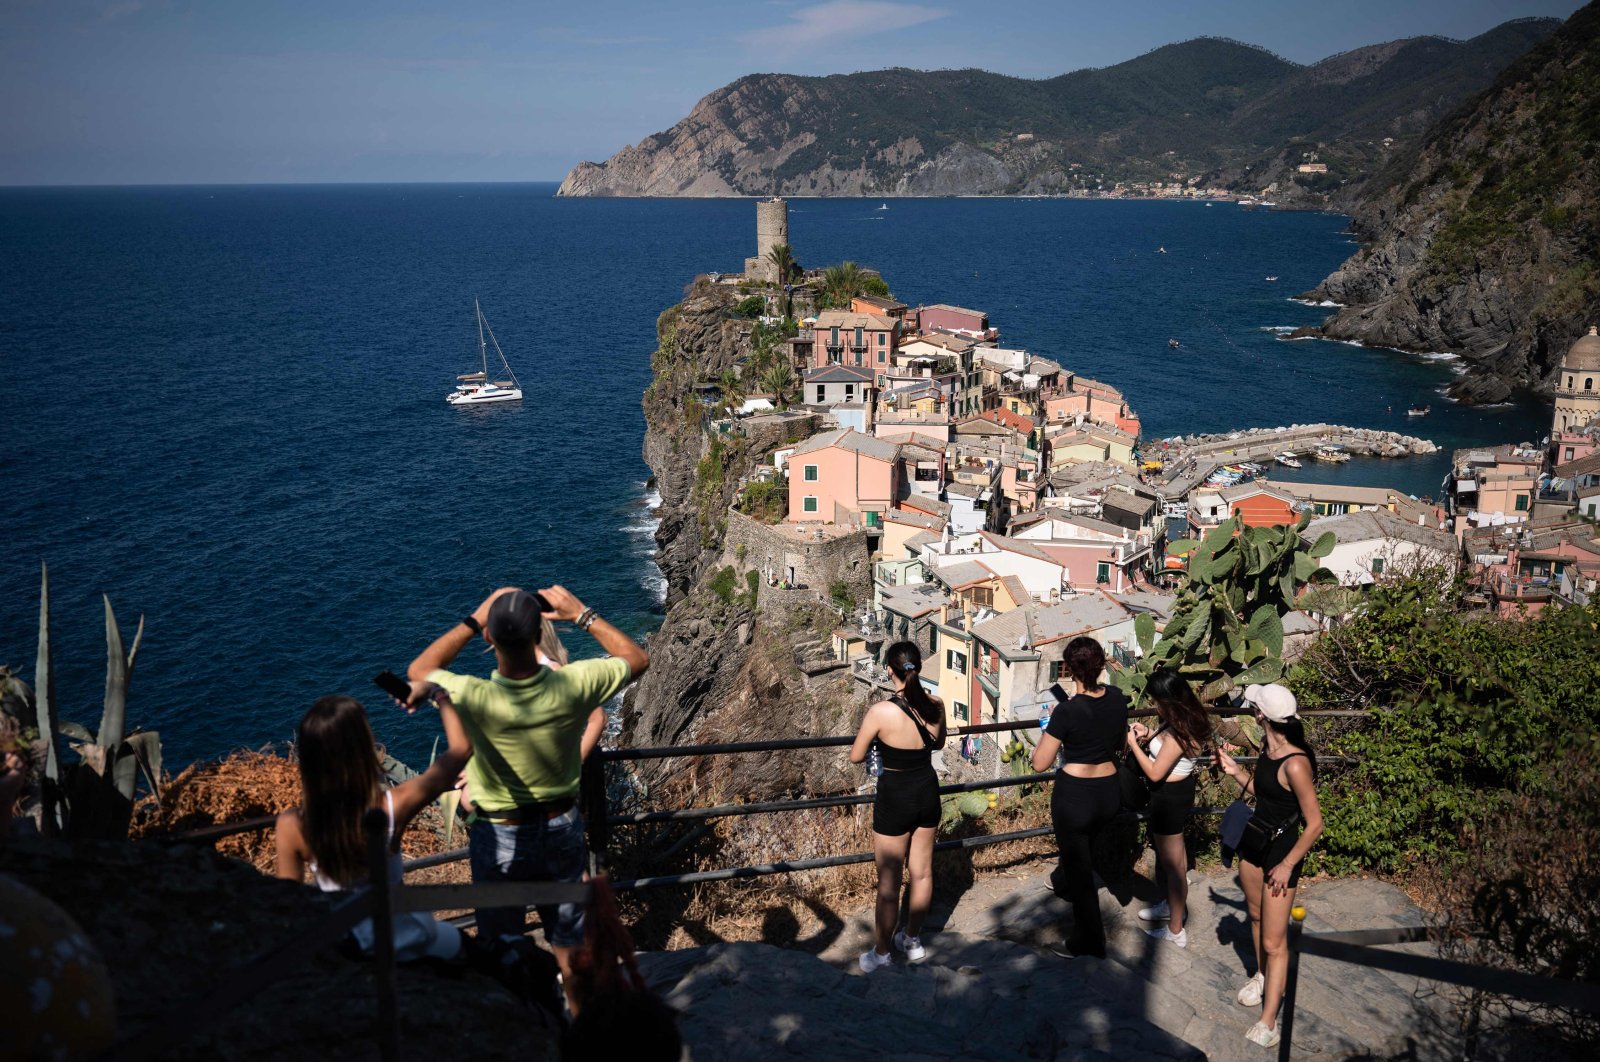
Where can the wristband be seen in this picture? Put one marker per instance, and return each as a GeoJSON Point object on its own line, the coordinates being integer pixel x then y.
{"type": "Point", "coordinates": [472, 624]}
{"type": "Point", "coordinates": [586, 619]}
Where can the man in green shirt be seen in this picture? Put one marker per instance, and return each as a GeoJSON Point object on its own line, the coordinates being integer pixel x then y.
{"type": "Point", "coordinates": [527, 725]}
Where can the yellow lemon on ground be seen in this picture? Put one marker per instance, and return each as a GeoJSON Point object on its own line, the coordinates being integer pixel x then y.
{"type": "Point", "coordinates": [1297, 913]}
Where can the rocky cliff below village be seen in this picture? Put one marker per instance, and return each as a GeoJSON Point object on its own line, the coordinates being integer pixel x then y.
{"type": "Point", "coordinates": [735, 659]}
{"type": "Point", "coordinates": [1484, 242]}
{"type": "Point", "coordinates": [1202, 113]}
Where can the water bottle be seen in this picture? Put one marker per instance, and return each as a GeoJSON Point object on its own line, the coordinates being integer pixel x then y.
{"type": "Point", "coordinates": [1044, 718]}
{"type": "Point", "coordinates": [874, 760]}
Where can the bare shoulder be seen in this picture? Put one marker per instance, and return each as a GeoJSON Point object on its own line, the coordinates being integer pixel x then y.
{"type": "Point", "coordinates": [1298, 768]}
{"type": "Point", "coordinates": [289, 828]}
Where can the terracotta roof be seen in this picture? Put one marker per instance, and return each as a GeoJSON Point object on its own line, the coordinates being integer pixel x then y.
{"type": "Point", "coordinates": [1036, 625]}
{"type": "Point", "coordinates": [1015, 421]}
{"type": "Point", "coordinates": [1250, 490]}
{"type": "Point", "coordinates": [1371, 525]}
{"type": "Point", "coordinates": [838, 374]}
{"type": "Point", "coordinates": [953, 309]}
{"type": "Point", "coordinates": [850, 439]}
{"type": "Point", "coordinates": [827, 319]}
{"type": "Point", "coordinates": [913, 519]}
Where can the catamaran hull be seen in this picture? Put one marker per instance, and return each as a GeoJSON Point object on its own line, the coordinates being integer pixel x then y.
{"type": "Point", "coordinates": [483, 400]}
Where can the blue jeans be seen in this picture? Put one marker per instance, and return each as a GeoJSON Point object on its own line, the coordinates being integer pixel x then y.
{"type": "Point", "coordinates": [546, 850]}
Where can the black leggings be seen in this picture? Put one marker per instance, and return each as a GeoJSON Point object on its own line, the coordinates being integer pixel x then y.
{"type": "Point", "coordinates": [1080, 808]}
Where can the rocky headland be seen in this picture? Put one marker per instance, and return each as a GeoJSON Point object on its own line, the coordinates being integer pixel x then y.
{"type": "Point", "coordinates": [1206, 113]}
{"type": "Point", "coordinates": [1484, 242]}
{"type": "Point", "coordinates": [731, 660]}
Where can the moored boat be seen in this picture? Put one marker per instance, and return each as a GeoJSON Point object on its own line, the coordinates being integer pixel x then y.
{"type": "Point", "coordinates": [1419, 411]}
{"type": "Point", "coordinates": [475, 388]}
{"type": "Point", "coordinates": [1288, 460]}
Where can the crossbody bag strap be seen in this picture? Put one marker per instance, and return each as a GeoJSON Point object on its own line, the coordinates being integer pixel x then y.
{"type": "Point", "coordinates": [928, 740]}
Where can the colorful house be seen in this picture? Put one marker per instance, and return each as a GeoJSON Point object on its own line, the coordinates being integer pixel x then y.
{"type": "Point", "coordinates": [843, 476]}
{"type": "Point", "coordinates": [859, 340]}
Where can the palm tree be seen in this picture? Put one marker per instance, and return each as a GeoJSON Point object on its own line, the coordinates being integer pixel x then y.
{"type": "Point", "coordinates": [840, 284]}
{"type": "Point", "coordinates": [782, 256]}
{"type": "Point", "coordinates": [779, 381]}
{"type": "Point", "coordinates": [732, 389]}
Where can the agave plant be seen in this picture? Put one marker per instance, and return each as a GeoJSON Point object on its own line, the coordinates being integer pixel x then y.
{"type": "Point", "coordinates": [1226, 628]}
{"type": "Point", "coordinates": [94, 797]}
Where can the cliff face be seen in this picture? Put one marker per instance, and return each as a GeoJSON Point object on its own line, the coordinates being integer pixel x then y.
{"type": "Point", "coordinates": [1212, 109]}
{"type": "Point", "coordinates": [1484, 241]}
{"type": "Point", "coordinates": [725, 661]}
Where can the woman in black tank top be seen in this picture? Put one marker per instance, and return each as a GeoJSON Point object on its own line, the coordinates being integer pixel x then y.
{"type": "Point", "coordinates": [905, 815]}
{"type": "Point", "coordinates": [1088, 730]}
{"type": "Point", "coordinates": [1285, 789]}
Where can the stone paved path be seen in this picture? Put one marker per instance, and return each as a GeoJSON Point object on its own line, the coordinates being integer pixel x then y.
{"type": "Point", "coordinates": [990, 988]}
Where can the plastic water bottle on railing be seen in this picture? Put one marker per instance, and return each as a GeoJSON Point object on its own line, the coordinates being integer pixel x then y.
{"type": "Point", "coordinates": [874, 760]}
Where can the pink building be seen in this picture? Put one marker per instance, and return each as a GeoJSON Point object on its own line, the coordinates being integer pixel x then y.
{"type": "Point", "coordinates": [956, 320]}
{"type": "Point", "coordinates": [844, 477]}
{"type": "Point", "coordinates": [859, 340]}
{"type": "Point", "coordinates": [1094, 401]}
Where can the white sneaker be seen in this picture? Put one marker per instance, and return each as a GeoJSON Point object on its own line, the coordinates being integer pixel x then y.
{"type": "Point", "coordinates": [1159, 913]}
{"type": "Point", "coordinates": [1250, 994]}
{"type": "Point", "coordinates": [1180, 938]}
{"type": "Point", "coordinates": [871, 960]}
{"type": "Point", "coordinates": [1260, 1034]}
{"type": "Point", "coordinates": [912, 946]}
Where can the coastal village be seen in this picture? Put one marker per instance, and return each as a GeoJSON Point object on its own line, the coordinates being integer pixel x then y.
{"type": "Point", "coordinates": [1004, 503]}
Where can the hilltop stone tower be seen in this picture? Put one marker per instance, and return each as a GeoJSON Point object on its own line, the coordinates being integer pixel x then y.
{"type": "Point", "coordinates": [1577, 388]}
{"type": "Point", "coordinates": [772, 228]}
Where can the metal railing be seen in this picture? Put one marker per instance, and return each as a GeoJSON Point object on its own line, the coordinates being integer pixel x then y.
{"type": "Point", "coordinates": [377, 899]}
{"type": "Point", "coordinates": [1365, 947]}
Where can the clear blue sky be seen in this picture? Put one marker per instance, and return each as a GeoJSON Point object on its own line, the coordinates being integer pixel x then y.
{"type": "Point", "coordinates": [171, 91]}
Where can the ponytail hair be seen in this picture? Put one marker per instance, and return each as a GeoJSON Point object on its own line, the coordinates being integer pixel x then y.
{"type": "Point", "coordinates": [1293, 730]}
{"type": "Point", "coordinates": [905, 660]}
{"type": "Point", "coordinates": [1085, 659]}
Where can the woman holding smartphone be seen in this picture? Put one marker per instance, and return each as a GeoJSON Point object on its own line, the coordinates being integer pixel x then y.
{"type": "Point", "coordinates": [341, 780]}
{"type": "Point", "coordinates": [1285, 788]}
{"type": "Point", "coordinates": [1175, 751]}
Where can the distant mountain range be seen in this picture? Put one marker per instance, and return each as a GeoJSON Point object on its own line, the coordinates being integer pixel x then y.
{"type": "Point", "coordinates": [1208, 111]}
{"type": "Point", "coordinates": [1484, 240]}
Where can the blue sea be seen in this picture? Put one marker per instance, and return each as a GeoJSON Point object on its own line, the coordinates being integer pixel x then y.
{"type": "Point", "coordinates": [223, 406]}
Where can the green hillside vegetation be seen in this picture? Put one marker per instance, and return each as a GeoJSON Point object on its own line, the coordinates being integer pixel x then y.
{"type": "Point", "coordinates": [1536, 172]}
{"type": "Point", "coordinates": [1202, 106]}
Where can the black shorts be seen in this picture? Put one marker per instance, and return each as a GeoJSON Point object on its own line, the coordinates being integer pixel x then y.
{"type": "Point", "coordinates": [1170, 804]}
{"type": "Point", "coordinates": [907, 800]}
{"type": "Point", "coordinates": [1278, 853]}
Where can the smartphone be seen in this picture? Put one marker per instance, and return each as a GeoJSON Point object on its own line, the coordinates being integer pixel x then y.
{"type": "Point", "coordinates": [393, 685]}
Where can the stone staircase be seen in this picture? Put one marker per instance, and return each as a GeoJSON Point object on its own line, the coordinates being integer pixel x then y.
{"type": "Point", "coordinates": [991, 988]}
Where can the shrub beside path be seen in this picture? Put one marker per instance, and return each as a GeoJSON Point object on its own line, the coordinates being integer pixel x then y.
{"type": "Point", "coordinates": [990, 988]}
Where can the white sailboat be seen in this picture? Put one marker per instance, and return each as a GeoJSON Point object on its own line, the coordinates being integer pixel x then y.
{"type": "Point", "coordinates": [475, 388]}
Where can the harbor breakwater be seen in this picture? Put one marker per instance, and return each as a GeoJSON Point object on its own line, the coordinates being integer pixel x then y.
{"type": "Point", "coordinates": [1255, 443]}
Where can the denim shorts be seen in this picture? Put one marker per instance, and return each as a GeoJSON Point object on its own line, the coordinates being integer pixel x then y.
{"type": "Point", "coordinates": [546, 850]}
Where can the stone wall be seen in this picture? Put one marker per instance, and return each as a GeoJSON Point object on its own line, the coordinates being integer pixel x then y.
{"type": "Point", "coordinates": [817, 565]}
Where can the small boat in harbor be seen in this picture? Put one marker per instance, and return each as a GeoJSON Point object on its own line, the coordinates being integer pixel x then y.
{"type": "Point", "coordinates": [1173, 343]}
{"type": "Point", "coordinates": [1419, 411]}
{"type": "Point", "coordinates": [1161, 250]}
{"type": "Point", "coordinates": [883, 206]}
{"type": "Point", "coordinates": [475, 388]}
{"type": "Point", "coordinates": [1269, 279]}
{"type": "Point", "coordinates": [1288, 460]}
{"type": "Point", "coordinates": [1331, 452]}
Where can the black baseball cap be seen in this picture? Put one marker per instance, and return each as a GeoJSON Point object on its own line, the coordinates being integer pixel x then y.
{"type": "Point", "coordinates": [514, 619]}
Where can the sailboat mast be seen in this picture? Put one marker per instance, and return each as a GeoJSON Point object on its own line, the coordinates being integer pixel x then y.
{"type": "Point", "coordinates": [483, 350]}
